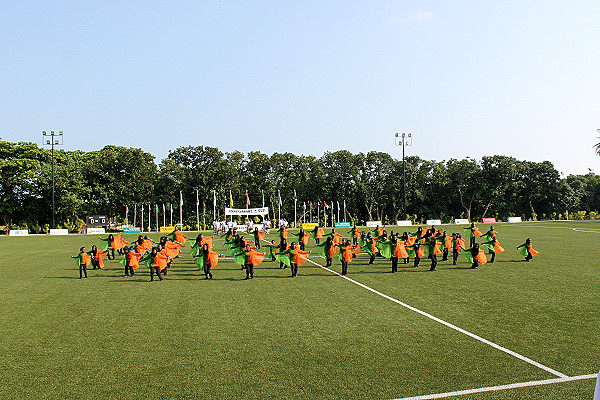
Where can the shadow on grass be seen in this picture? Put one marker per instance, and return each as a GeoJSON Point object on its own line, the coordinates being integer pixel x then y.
{"type": "Point", "coordinates": [61, 277]}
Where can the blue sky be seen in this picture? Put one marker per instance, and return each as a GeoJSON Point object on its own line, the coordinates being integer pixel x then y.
{"type": "Point", "coordinates": [467, 78]}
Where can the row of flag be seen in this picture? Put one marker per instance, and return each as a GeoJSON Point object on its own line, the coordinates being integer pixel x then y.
{"type": "Point", "coordinates": [247, 202]}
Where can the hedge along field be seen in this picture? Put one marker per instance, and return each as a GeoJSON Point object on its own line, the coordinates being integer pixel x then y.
{"type": "Point", "coordinates": [314, 336]}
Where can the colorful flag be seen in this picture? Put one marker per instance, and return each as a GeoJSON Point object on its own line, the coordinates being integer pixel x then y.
{"type": "Point", "coordinates": [247, 199]}
{"type": "Point", "coordinates": [279, 197]}
{"type": "Point", "coordinates": [230, 199]}
{"type": "Point", "coordinates": [126, 209]}
{"type": "Point", "coordinates": [295, 197]}
{"type": "Point", "coordinates": [325, 204]}
{"type": "Point", "coordinates": [163, 206]}
{"type": "Point", "coordinates": [180, 199]}
{"type": "Point", "coordinates": [197, 199]}
{"type": "Point", "coordinates": [214, 198]}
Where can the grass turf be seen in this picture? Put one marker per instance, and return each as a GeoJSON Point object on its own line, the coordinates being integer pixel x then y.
{"type": "Point", "coordinates": [314, 336]}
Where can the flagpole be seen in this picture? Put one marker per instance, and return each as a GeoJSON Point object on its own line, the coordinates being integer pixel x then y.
{"type": "Point", "coordinates": [126, 214]}
{"type": "Point", "coordinates": [180, 210]}
{"type": "Point", "coordinates": [149, 219]}
{"type": "Point", "coordinates": [319, 213]}
{"type": "Point", "coordinates": [303, 211]}
{"type": "Point", "coordinates": [142, 215]}
{"type": "Point", "coordinates": [156, 209]}
{"type": "Point", "coordinates": [295, 216]}
{"type": "Point", "coordinates": [345, 219]}
{"type": "Point", "coordinates": [214, 205]}
{"type": "Point", "coordinates": [279, 203]}
{"type": "Point", "coordinates": [263, 198]}
{"type": "Point", "coordinates": [332, 214]}
{"type": "Point", "coordinates": [230, 204]}
{"type": "Point", "coordinates": [164, 215]}
{"type": "Point", "coordinates": [338, 210]}
{"type": "Point", "coordinates": [197, 212]}
{"type": "Point", "coordinates": [134, 214]}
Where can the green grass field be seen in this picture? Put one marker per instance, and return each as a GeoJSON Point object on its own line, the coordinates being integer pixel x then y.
{"type": "Point", "coordinates": [317, 336]}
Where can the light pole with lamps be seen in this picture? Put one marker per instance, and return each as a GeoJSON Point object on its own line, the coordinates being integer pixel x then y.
{"type": "Point", "coordinates": [53, 139]}
{"type": "Point", "coordinates": [405, 139]}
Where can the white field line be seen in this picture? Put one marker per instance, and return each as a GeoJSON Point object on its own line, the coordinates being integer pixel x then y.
{"type": "Point", "coordinates": [449, 325]}
{"type": "Point", "coordinates": [500, 387]}
{"type": "Point", "coordinates": [588, 230]}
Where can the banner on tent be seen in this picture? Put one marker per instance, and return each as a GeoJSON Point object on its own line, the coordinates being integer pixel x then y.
{"type": "Point", "coordinates": [95, 231]}
{"type": "Point", "coordinates": [167, 229]}
{"type": "Point", "coordinates": [373, 224]}
{"type": "Point", "coordinates": [132, 229]}
{"type": "Point", "coordinates": [404, 223]}
{"type": "Point", "coordinates": [247, 211]}
{"type": "Point", "coordinates": [59, 231]}
{"type": "Point", "coordinates": [309, 225]}
{"type": "Point", "coordinates": [489, 220]}
{"type": "Point", "coordinates": [18, 232]}
{"type": "Point", "coordinates": [342, 224]}
{"type": "Point", "coordinates": [461, 221]}
{"type": "Point", "coordinates": [434, 222]}
{"type": "Point", "coordinates": [512, 220]}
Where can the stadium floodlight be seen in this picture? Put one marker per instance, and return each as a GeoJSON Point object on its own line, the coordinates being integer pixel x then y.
{"type": "Point", "coordinates": [405, 139]}
{"type": "Point", "coordinates": [53, 139]}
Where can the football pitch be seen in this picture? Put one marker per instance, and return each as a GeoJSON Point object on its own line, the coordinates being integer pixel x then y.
{"type": "Point", "coordinates": [532, 326]}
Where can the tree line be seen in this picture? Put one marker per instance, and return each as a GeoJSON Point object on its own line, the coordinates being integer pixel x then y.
{"type": "Point", "coordinates": [370, 184]}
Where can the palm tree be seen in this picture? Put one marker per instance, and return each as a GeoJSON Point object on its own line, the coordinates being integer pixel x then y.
{"type": "Point", "coordinates": [597, 145]}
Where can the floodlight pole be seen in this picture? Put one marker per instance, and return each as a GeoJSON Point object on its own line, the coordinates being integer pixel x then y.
{"type": "Point", "coordinates": [406, 140]}
{"type": "Point", "coordinates": [52, 142]}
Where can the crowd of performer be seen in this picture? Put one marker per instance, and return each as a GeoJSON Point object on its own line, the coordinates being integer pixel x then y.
{"type": "Point", "coordinates": [423, 244]}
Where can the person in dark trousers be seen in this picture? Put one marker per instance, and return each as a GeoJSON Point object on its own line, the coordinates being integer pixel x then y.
{"type": "Point", "coordinates": [328, 246]}
{"type": "Point", "coordinates": [477, 255]}
{"type": "Point", "coordinates": [494, 248]}
{"type": "Point", "coordinates": [252, 259]}
{"type": "Point", "coordinates": [447, 245]}
{"type": "Point", "coordinates": [475, 252]}
{"type": "Point", "coordinates": [83, 260]}
{"type": "Point", "coordinates": [132, 259]}
{"type": "Point", "coordinates": [346, 255]}
{"type": "Point", "coordinates": [283, 246]}
{"type": "Point", "coordinates": [527, 250]}
{"type": "Point", "coordinates": [432, 243]}
{"type": "Point", "coordinates": [372, 248]}
{"type": "Point", "coordinates": [316, 235]}
{"type": "Point", "coordinates": [93, 253]}
{"type": "Point", "coordinates": [110, 242]}
{"type": "Point", "coordinates": [159, 263]}
{"type": "Point", "coordinates": [207, 266]}
{"type": "Point", "coordinates": [256, 238]}
{"type": "Point", "coordinates": [404, 238]}
{"type": "Point", "coordinates": [457, 244]}
{"type": "Point", "coordinates": [394, 257]}
{"type": "Point", "coordinates": [418, 252]}
{"type": "Point", "coordinates": [355, 233]}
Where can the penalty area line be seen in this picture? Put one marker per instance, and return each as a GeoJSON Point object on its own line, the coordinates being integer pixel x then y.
{"type": "Point", "coordinates": [449, 325]}
{"type": "Point", "coordinates": [499, 387]}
